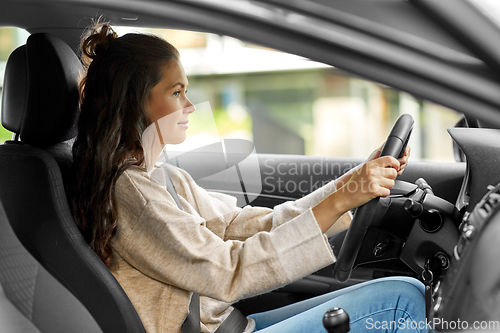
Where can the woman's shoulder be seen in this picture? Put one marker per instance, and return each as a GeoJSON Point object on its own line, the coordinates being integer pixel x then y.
{"type": "Point", "coordinates": [151, 186]}
{"type": "Point", "coordinates": [136, 183]}
{"type": "Point", "coordinates": [134, 175]}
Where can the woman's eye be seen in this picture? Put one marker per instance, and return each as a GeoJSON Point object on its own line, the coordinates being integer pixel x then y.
{"type": "Point", "coordinates": [176, 94]}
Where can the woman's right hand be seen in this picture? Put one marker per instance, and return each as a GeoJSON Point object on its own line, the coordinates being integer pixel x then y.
{"type": "Point", "coordinates": [373, 179]}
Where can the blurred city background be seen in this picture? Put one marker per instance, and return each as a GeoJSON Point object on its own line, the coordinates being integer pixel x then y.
{"type": "Point", "coordinates": [286, 104]}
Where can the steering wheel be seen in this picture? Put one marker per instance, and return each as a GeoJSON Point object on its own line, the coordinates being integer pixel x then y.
{"type": "Point", "coordinates": [373, 210]}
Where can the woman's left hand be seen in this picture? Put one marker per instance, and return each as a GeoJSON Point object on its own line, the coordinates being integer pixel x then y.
{"type": "Point", "coordinates": [403, 161]}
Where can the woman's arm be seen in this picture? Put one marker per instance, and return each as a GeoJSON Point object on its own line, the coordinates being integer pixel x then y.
{"type": "Point", "coordinates": [371, 179]}
{"type": "Point", "coordinates": [242, 223]}
{"type": "Point", "coordinates": [175, 247]}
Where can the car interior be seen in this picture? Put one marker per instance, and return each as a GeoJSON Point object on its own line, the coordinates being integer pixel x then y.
{"type": "Point", "coordinates": [447, 213]}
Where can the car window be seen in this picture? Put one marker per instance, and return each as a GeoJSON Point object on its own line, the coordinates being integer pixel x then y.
{"type": "Point", "coordinates": [490, 8]}
{"type": "Point", "coordinates": [10, 39]}
{"type": "Point", "coordinates": [286, 104]}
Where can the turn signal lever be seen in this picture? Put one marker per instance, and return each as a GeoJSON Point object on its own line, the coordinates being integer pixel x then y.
{"type": "Point", "coordinates": [422, 184]}
{"type": "Point", "coordinates": [336, 320]}
{"type": "Point", "coordinates": [430, 219]}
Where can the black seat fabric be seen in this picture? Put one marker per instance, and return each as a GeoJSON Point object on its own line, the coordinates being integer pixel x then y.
{"type": "Point", "coordinates": [40, 103]}
{"type": "Point", "coordinates": [40, 97]}
{"type": "Point", "coordinates": [38, 302]}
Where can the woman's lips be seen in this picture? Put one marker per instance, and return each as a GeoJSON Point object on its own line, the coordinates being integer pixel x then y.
{"type": "Point", "coordinates": [183, 124]}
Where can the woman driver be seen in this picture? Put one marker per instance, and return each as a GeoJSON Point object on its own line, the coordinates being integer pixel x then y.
{"type": "Point", "coordinates": [162, 253]}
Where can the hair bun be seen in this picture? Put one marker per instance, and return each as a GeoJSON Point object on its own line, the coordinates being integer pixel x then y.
{"type": "Point", "coordinates": [96, 41]}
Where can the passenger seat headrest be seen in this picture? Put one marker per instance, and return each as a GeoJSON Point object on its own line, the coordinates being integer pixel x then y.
{"type": "Point", "coordinates": [40, 91]}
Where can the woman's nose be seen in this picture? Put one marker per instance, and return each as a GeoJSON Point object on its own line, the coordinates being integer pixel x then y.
{"type": "Point", "coordinates": [190, 108]}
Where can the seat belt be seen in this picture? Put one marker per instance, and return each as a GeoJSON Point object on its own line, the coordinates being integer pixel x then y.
{"type": "Point", "coordinates": [192, 322]}
{"type": "Point", "coordinates": [236, 322]}
{"type": "Point", "coordinates": [171, 188]}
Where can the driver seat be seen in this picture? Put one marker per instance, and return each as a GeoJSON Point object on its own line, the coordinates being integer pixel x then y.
{"type": "Point", "coordinates": [40, 105]}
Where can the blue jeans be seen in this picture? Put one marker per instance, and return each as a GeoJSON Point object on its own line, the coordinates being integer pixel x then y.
{"type": "Point", "coordinates": [392, 304]}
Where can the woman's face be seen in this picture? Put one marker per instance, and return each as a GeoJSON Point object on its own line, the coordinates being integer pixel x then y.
{"type": "Point", "coordinates": [168, 100]}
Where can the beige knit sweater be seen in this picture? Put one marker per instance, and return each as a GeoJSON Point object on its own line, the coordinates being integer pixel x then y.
{"type": "Point", "coordinates": [212, 247]}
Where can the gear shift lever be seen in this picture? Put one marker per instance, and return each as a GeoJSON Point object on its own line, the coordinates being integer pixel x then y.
{"type": "Point", "coordinates": [336, 320]}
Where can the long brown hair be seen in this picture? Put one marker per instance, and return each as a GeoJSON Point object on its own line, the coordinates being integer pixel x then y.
{"type": "Point", "coordinates": [120, 73]}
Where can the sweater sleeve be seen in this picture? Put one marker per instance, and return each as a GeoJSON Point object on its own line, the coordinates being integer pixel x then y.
{"type": "Point", "coordinates": [176, 247]}
{"type": "Point", "coordinates": [287, 211]}
{"type": "Point", "coordinates": [241, 223]}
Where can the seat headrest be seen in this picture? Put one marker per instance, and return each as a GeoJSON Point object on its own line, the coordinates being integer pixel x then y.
{"type": "Point", "coordinates": [40, 91]}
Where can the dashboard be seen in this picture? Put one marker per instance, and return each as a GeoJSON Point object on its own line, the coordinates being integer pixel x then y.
{"type": "Point", "coordinates": [481, 147]}
{"type": "Point", "coordinates": [469, 291]}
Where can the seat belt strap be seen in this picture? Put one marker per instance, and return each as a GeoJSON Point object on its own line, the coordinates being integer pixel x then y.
{"type": "Point", "coordinates": [171, 188]}
{"type": "Point", "coordinates": [192, 322]}
{"type": "Point", "coordinates": [236, 322]}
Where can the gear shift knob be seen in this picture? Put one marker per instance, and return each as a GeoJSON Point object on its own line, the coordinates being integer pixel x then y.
{"type": "Point", "coordinates": [336, 320]}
